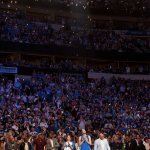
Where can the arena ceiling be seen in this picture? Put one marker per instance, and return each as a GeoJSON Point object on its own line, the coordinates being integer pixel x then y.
{"type": "Point", "coordinates": [113, 7]}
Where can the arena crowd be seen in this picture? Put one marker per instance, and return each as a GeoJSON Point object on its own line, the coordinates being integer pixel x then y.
{"type": "Point", "coordinates": [18, 30]}
{"type": "Point", "coordinates": [51, 110]}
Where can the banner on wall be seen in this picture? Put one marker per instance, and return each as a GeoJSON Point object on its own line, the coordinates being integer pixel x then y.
{"type": "Point", "coordinates": [8, 70]}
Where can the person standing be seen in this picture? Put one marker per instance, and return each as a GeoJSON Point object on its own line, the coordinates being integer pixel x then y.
{"type": "Point", "coordinates": [146, 144]}
{"type": "Point", "coordinates": [1, 145]}
{"type": "Point", "coordinates": [81, 123]}
{"type": "Point", "coordinates": [11, 143]}
{"type": "Point", "coordinates": [69, 145]}
{"type": "Point", "coordinates": [101, 143]}
{"type": "Point", "coordinates": [84, 141]}
{"type": "Point", "coordinates": [26, 145]}
{"type": "Point", "coordinates": [135, 142]}
{"type": "Point", "coordinates": [52, 143]}
{"type": "Point", "coordinates": [40, 142]}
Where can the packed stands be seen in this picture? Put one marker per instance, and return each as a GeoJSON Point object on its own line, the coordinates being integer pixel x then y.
{"type": "Point", "coordinates": [48, 100]}
{"type": "Point", "coordinates": [62, 104]}
{"type": "Point", "coordinates": [24, 31]}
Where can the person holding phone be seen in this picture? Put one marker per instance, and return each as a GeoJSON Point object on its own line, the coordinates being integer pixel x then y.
{"type": "Point", "coordinates": [69, 145]}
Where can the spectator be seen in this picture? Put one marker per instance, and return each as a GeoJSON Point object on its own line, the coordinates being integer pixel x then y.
{"type": "Point", "coordinates": [40, 142]}
{"type": "Point", "coordinates": [84, 141]}
{"type": "Point", "coordinates": [101, 143]}
{"type": "Point", "coordinates": [69, 145]}
{"type": "Point", "coordinates": [11, 144]}
{"type": "Point", "coordinates": [26, 145]}
{"type": "Point", "coordinates": [81, 123]}
{"type": "Point", "coordinates": [146, 143]}
{"type": "Point", "coordinates": [52, 143]}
